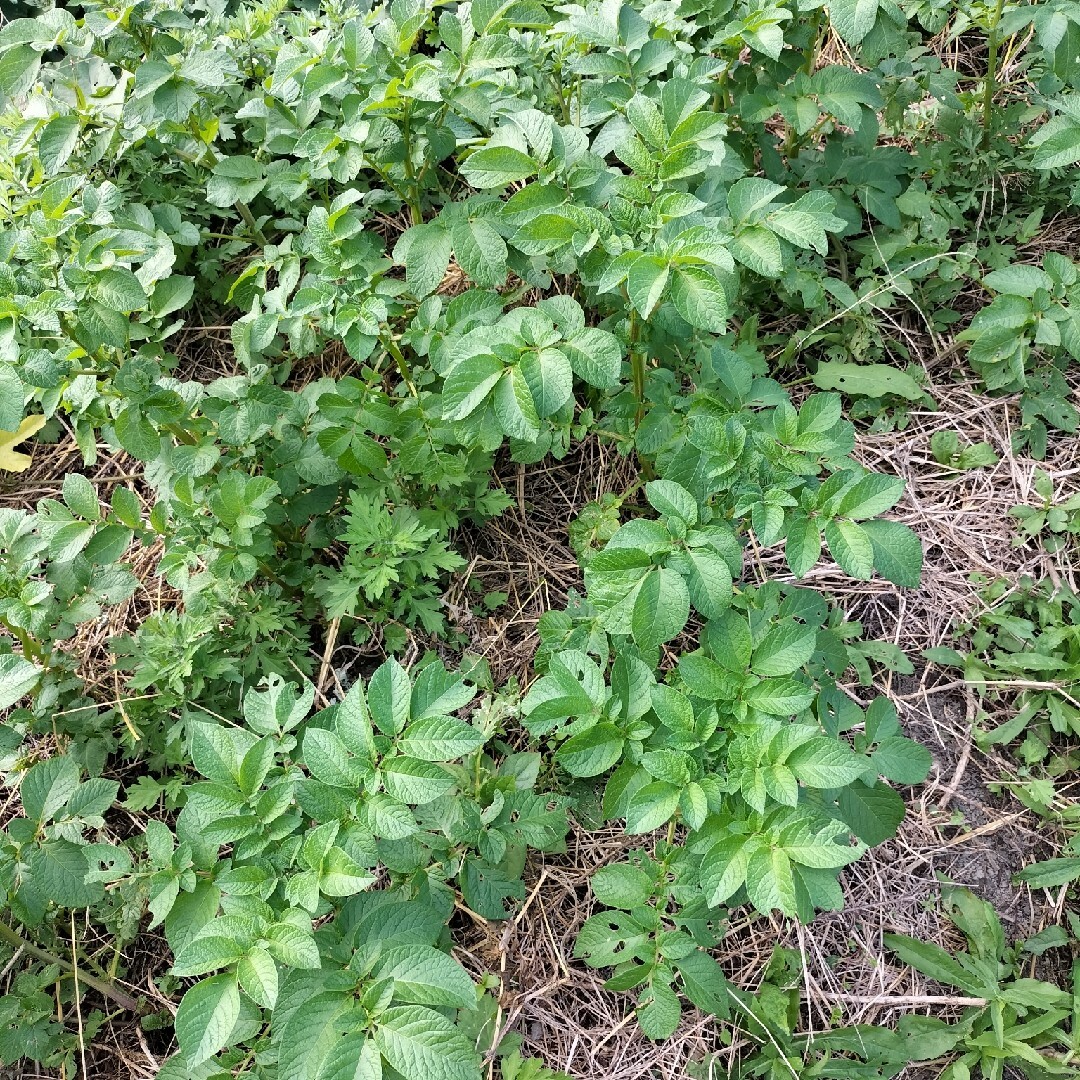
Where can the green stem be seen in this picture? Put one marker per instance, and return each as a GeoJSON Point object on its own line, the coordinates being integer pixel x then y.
{"type": "Point", "coordinates": [811, 53]}
{"type": "Point", "coordinates": [31, 649]}
{"type": "Point", "coordinates": [270, 575]}
{"type": "Point", "coordinates": [564, 105]}
{"type": "Point", "coordinates": [415, 212]}
{"type": "Point", "coordinates": [991, 74]}
{"type": "Point", "coordinates": [104, 988]}
{"type": "Point", "coordinates": [241, 207]}
{"type": "Point", "coordinates": [720, 98]}
{"type": "Point", "coordinates": [180, 435]}
{"type": "Point", "coordinates": [637, 367]}
{"type": "Point", "coordinates": [252, 224]}
{"type": "Point", "coordinates": [439, 118]}
{"type": "Point", "coordinates": [402, 363]}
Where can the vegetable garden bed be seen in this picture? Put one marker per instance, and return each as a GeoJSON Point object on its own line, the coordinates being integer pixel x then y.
{"type": "Point", "coordinates": [539, 540]}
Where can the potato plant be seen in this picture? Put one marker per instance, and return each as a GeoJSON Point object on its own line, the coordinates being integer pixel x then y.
{"type": "Point", "coordinates": [514, 226]}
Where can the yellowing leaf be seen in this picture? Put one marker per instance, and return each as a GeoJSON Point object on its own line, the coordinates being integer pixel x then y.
{"type": "Point", "coordinates": [10, 459]}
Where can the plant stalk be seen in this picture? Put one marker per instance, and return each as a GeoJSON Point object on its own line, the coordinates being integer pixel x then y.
{"type": "Point", "coordinates": [252, 224]}
{"type": "Point", "coordinates": [991, 74]}
{"type": "Point", "coordinates": [637, 367]}
{"type": "Point", "coordinates": [402, 363]}
{"type": "Point", "coordinates": [416, 214]}
{"type": "Point", "coordinates": [106, 989]}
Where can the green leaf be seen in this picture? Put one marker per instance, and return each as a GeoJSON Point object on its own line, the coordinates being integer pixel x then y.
{"type": "Point", "coordinates": [1058, 144]}
{"type": "Point", "coordinates": [591, 752]}
{"type": "Point", "coordinates": [779, 697]}
{"type": "Point", "coordinates": [704, 678]}
{"type": "Point", "coordinates": [425, 976]}
{"type": "Point", "coordinates": [19, 68]}
{"type": "Point", "coordinates": [389, 697]}
{"type": "Point", "coordinates": [190, 913]}
{"type": "Point", "coordinates": [423, 1045]}
{"type": "Point", "coordinates": [81, 497]}
{"type": "Point", "coordinates": [480, 251]}
{"type": "Point", "coordinates": [136, 434]}
{"type": "Point", "coordinates": [496, 167]}
{"type": "Point", "coordinates": [214, 753]}
{"type": "Point", "coordinates": [59, 868]}
{"type": "Point", "coordinates": [646, 283]}
{"type": "Point", "coordinates": [610, 937]}
{"type": "Point", "coordinates": [802, 227]}
{"type": "Point", "coordinates": [757, 248]}
{"type": "Point", "coordinates": [723, 869]}
{"type": "Point", "coordinates": [171, 294]}
{"type": "Point", "coordinates": [622, 885]}
{"type": "Point", "coordinates": [820, 413]}
{"type": "Point", "coordinates": [353, 1057]}
{"type": "Point", "coordinates": [468, 385]}
{"type": "Point", "coordinates": [596, 357]}
{"type": "Point", "coordinates": [291, 946]}
{"type": "Point", "coordinates": [1050, 873]}
{"type": "Point", "coordinates": [853, 19]}
{"type": "Point", "coordinates": [652, 807]}
{"type": "Point", "coordinates": [660, 1012]}
{"type": "Point", "coordinates": [850, 546]}
{"type": "Point", "coordinates": [672, 500]}
{"type": "Point", "coordinates": [209, 950]}
{"type": "Point", "coordinates": [14, 428]}
{"type": "Point", "coordinates": [901, 760]}
{"type": "Point", "coordinates": [826, 763]}
{"type": "Point", "coordinates": [770, 882]}
{"type": "Point", "coordinates": [802, 548]}
{"type": "Point", "coordinates": [708, 578]}
{"type": "Point", "coordinates": [1019, 280]}
{"type": "Point", "coordinates": [47, 786]}
{"type": "Point", "coordinates": [415, 782]}
{"type": "Point", "coordinates": [235, 179]}
{"type": "Point", "coordinates": [750, 197]}
{"type": "Point", "coordinates": [673, 709]}
{"type": "Point", "coordinates": [425, 251]}
{"type": "Point", "coordinates": [550, 379]}
{"type": "Point", "coordinates": [728, 639]}
{"type": "Point", "coordinates": [647, 120]}
{"type": "Point", "coordinates": [933, 961]}
{"type": "Point", "coordinates": [784, 649]}
{"type": "Point", "coordinates": [942, 654]}
{"type": "Point", "coordinates": [119, 289]}
{"type": "Point", "coordinates": [341, 875]}
{"type": "Point", "coordinates": [897, 552]}
{"type": "Point", "coordinates": [867, 380]}
{"type": "Point", "coordinates": [18, 677]}
{"type": "Point", "coordinates": [872, 813]}
{"type": "Point", "coordinates": [258, 977]}
{"type": "Point", "coordinates": [699, 298]}
{"type": "Point", "coordinates": [310, 1034]}
{"type": "Point", "coordinates": [674, 766]}
{"type": "Point", "coordinates": [704, 983]}
{"type": "Point", "coordinates": [440, 738]}
{"type": "Point", "coordinates": [661, 608]}
{"type": "Point", "coordinates": [206, 1018]}
{"type": "Point", "coordinates": [870, 496]}
{"type": "Point", "coordinates": [514, 406]}
{"type": "Point", "coordinates": [437, 692]}
{"type": "Point", "coordinates": [56, 142]}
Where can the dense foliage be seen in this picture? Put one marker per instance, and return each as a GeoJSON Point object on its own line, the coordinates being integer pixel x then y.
{"type": "Point", "coordinates": [511, 226]}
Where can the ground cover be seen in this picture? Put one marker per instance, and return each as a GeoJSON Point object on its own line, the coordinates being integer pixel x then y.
{"type": "Point", "coordinates": [539, 540]}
